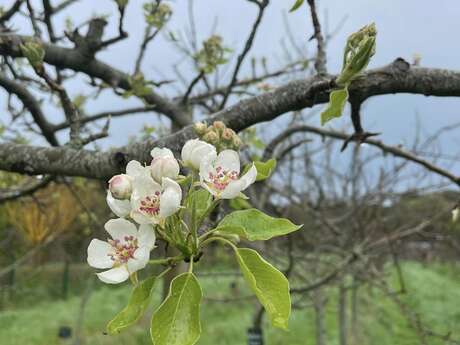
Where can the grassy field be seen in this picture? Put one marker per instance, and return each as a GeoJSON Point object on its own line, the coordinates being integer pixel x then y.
{"type": "Point", "coordinates": [433, 292]}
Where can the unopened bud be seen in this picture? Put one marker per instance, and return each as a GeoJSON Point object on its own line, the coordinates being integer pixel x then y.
{"type": "Point", "coordinates": [200, 128]}
{"type": "Point", "coordinates": [219, 125]}
{"type": "Point", "coordinates": [163, 164]}
{"type": "Point", "coordinates": [211, 137]}
{"type": "Point", "coordinates": [228, 134]}
{"type": "Point", "coordinates": [194, 151]}
{"type": "Point", "coordinates": [237, 142]}
{"type": "Point", "coordinates": [120, 186]}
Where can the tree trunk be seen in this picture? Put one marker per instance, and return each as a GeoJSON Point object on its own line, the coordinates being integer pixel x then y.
{"type": "Point", "coordinates": [65, 279]}
{"type": "Point", "coordinates": [354, 313]}
{"type": "Point", "coordinates": [319, 303]}
{"type": "Point", "coordinates": [342, 314]}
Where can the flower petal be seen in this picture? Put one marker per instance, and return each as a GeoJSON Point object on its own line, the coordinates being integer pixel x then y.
{"type": "Point", "coordinates": [232, 190]}
{"type": "Point", "coordinates": [120, 207]}
{"type": "Point", "coordinates": [135, 169]}
{"type": "Point", "coordinates": [229, 160]}
{"type": "Point", "coordinates": [141, 218]}
{"type": "Point", "coordinates": [207, 166]}
{"type": "Point", "coordinates": [158, 152]}
{"type": "Point", "coordinates": [115, 275]}
{"type": "Point", "coordinates": [201, 151]}
{"type": "Point", "coordinates": [193, 152]}
{"type": "Point", "coordinates": [250, 177]}
{"type": "Point", "coordinates": [119, 228]}
{"type": "Point", "coordinates": [209, 189]}
{"type": "Point", "coordinates": [139, 261]}
{"type": "Point", "coordinates": [146, 236]}
{"type": "Point", "coordinates": [98, 254]}
{"type": "Point", "coordinates": [144, 186]}
{"type": "Point", "coordinates": [170, 199]}
{"type": "Point", "coordinates": [187, 149]}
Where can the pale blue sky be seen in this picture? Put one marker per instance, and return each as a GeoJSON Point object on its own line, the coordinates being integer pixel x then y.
{"type": "Point", "coordinates": [405, 27]}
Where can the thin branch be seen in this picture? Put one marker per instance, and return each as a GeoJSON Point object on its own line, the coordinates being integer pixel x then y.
{"type": "Point", "coordinates": [247, 47]}
{"type": "Point", "coordinates": [320, 63]}
{"type": "Point", "coordinates": [11, 11]}
{"type": "Point", "coordinates": [27, 189]}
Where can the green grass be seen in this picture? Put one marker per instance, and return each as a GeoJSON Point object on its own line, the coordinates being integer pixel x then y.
{"type": "Point", "coordinates": [433, 292]}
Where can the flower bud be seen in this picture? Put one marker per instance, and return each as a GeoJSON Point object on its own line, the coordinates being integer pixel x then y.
{"type": "Point", "coordinates": [237, 142]}
{"type": "Point", "coordinates": [228, 134]}
{"type": "Point", "coordinates": [200, 128]}
{"type": "Point", "coordinates": [163, 164]}
{"type": "Point", "coordinates": [194, 151]}
{"type": "Point", "coordinates": [120, 186]}
{"type": "Point", "coordinates": [219, 125]}
{"type": "Point", "coordinates": [211, 137]}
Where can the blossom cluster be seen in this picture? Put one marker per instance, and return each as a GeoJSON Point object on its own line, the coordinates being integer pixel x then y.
{"type": "Point", "coordinates": [148, 195]}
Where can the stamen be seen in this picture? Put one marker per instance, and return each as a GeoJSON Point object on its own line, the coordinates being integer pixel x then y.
{"type": "Point", "coordinates": [221, 178]}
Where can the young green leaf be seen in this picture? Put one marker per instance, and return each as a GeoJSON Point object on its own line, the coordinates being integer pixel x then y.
{"type": "Point", "coordinates": [138, 303]}
{"type": "Point", "coordinates": [297, 4]}
{"type": "Point", "coordinates": [255, 225]}
{"type": "Point", "coordinates": [264, 169]}
{"type": "Point", "coordinates": [177, 320]}
{"type": "Point", "coordinates": [337, 101]}
{"type": "Point", "coordinates": [269, 285]}
{"type": "Point", "coordinates": [239, 204]}
{"type": "Point", "coordinates": [202, 199]}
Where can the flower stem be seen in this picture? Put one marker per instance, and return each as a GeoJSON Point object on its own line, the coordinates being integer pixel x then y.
{"type": "Point", "coordinates": [133, 278]}
{"type": "Point", "coordinates": [190, 267]}
{"type": "Point", "coordinates": [167, 261]}
{"type": "Point", "coordinates": [218, 239]}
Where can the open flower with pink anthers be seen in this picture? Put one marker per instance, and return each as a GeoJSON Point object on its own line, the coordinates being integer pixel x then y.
{"type": "Point", "coordinates": [220, 175]}
{"type": "Point", "coordinates": [121, 186]}
{"type": "Point", "coordinates": [127, 252]}
{"type": "Point", "coordinates": [152, 203]}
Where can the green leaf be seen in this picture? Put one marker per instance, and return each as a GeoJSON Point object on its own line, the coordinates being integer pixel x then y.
{"type": "Point", "coordinates": [138, 303]}
{"type": "Point", "coordinates": [177, 320]}
{"type": "Point", "coordinates": [337, 101]}
{"type": "Point", "coordinates": [202, 199]}
{"type": "Point", "coordinates": [264, 169]}
{"type": "Point", "coordinates": [255, 225]}
{"type": "Point", "coordinates": [34, 53]}
{"type": "Point", "coordinates": [269, 285]}
{"type": "Point", "coordinates": [239, 204]}
{"type": "Point", "coordinates": [297, 4]}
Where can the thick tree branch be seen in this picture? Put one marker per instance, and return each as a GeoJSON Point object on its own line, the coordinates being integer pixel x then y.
{"type": "Point", "coordinates": [293, 96]}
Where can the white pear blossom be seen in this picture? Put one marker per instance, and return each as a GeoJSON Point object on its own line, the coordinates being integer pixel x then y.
{"type": "Point", "coordinates": [220, 175]}
{"type": "Point", "coordinates": [122, 207]}
{"type": "Point", "coordinates": [127, 252]}
{"type": "Point", "coordinates": [163, 164]}
{"type": "Point", "coordinates": [151, 202]}
{"type": "Point", "coordinates": [194, 151]}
